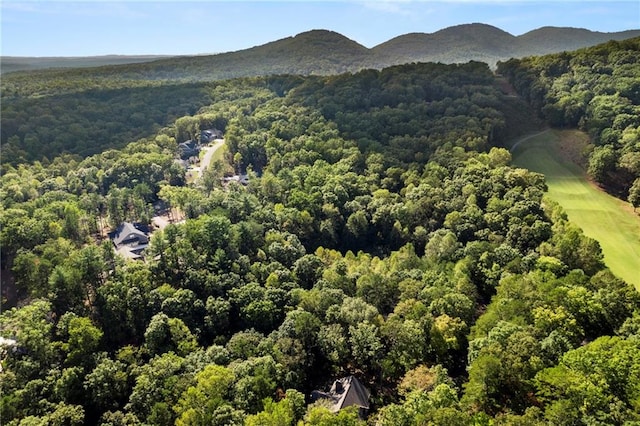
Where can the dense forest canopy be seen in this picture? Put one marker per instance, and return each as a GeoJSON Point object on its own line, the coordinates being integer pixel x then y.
{"type": "Point", "coordinates": [595, 89]}
{"type": "Point", "coordinates": [382, 234]}
{"type": "Point", "coordinates": [91, 121]}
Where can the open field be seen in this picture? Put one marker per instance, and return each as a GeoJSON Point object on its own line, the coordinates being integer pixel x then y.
{"type": "Point", "coordinates": [605, 218]}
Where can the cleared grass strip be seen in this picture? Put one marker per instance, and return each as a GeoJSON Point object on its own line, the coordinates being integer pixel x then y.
{"type": "Point", "coordinates": [607, 219]}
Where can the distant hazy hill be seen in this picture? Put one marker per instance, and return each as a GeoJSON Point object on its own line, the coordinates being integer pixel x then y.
{"type": "Point", "coordinates": [326, 52]}
{"type": "Point", "coordinates": [553, 39]}
{"type": "Point", "coordinates": [17, 63]}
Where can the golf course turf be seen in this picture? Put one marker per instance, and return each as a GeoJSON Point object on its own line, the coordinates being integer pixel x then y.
{"type": "Point", "coordinates": [610, 221]}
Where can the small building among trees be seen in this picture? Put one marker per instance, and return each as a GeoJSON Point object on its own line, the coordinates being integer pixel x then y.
{"type": "Point", "coordinates": [130, 239]}
{"type": "Point", "coordinates": [346, 392]}
{"type": "Point", "coordinates": [209, 135]}
{"type": "Point", "coordinates": [188, 149]}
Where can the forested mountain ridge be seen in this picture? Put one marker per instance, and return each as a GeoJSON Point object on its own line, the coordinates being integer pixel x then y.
{"type": "Point", "coordinates": [380, 234]}
{"type": "Point", "coordinates": [327, 52]}
{"type": "Point", "coordinates": [485, 43]}
{"type": "Point", "coordinates": [313, 52]}
{"type": "Point", "coordinates": [462, 43]}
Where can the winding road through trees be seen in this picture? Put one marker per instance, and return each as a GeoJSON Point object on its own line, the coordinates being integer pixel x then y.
{"type": "Point", "coordinates": [210, 151]}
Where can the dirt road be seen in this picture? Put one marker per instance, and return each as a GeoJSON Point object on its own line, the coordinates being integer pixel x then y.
{"type": "Point", "coordinates": [209, 151]}
{"type": "Point", "coordinates": [206, 159]}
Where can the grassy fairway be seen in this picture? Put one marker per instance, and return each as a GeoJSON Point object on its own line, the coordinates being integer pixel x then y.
{"type": "Point", "coordinates": [605, 218]}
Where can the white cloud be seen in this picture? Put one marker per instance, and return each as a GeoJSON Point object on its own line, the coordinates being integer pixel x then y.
{"type": "Point", "coordinates": [387, 6]}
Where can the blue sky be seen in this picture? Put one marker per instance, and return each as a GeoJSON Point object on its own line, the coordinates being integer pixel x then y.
{"type": "Point", "coordinates": [84, 28]}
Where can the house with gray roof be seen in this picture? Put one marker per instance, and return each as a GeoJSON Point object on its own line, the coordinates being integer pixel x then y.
{"type": "Point", "coordinates": [188, 149]}
{"type": "Point", "coordinates": [130, 239]}
{"type": "Point", "coordinates": [346, 392]}
{"type": "Point", "coordinates": [209, 135]}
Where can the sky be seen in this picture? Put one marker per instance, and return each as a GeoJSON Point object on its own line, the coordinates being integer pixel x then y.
{"type": "Point", "coordinates": [151, 27]}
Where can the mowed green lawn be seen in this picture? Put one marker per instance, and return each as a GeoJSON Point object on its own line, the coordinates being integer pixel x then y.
{"type": "Point", "coordinates": [607, 219]}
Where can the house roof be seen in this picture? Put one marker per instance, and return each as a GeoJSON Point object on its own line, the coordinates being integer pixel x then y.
{"type": "Point", "coordinates": [188, 149]}
{"type": "Point", "coordinates": [243, 179]}
{"type": "Point", "coordinates": [346, 392]}
{"type": "Point", "coordinates": [191, 144]}
{"type": "Point", "coordinates": [210, 134]}
{"type": "Point", "coordinates": [128, 231]}
{"type": "Point", "coordinates": [133, 253]}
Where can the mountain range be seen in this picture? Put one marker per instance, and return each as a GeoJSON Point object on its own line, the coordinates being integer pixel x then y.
{"type": "Point", "coordinates": [328, 52]}
{"type": "Point", "coordinates": [485, 43]}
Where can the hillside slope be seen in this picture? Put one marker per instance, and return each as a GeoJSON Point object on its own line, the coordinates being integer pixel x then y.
{"type": "Point", "coordinates": [312, 52]}
{"type": "Point", "coordinates": [380, 235]}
